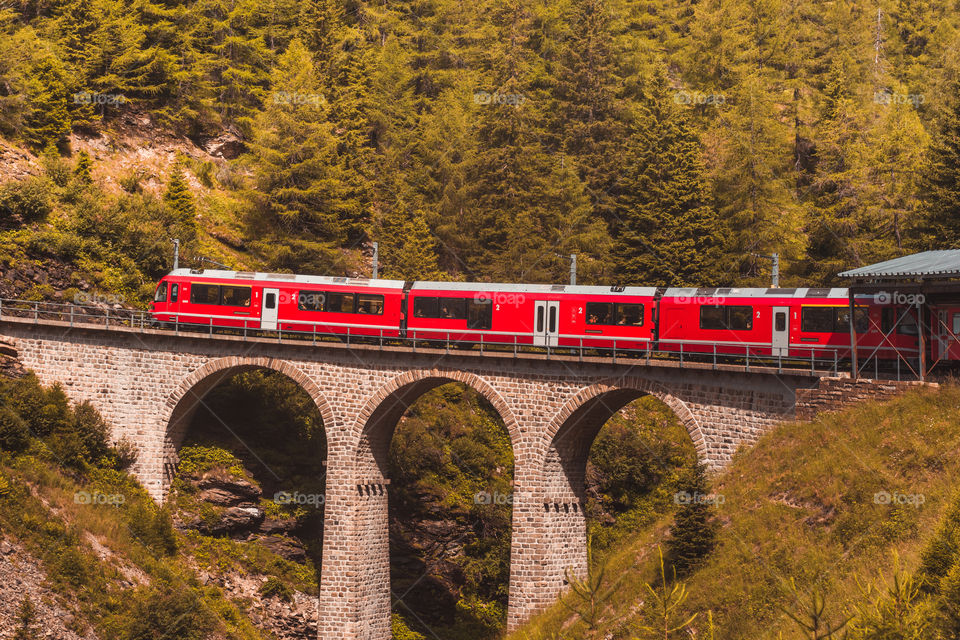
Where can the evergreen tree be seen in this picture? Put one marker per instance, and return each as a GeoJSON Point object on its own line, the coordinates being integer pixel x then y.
{"type": "Point", "coordinates": [694, 531]}
{"type": "Point", "coordinates": [180, 205]}
{"type": "Point", "coordinates": [669, 233]}
{"type": "Point", "coordinates": [48, 119]}
{"type": "Point", "coordinates": [82, 172]}
{"type": "Point", "coordinates": [298, 171]}
{"type": "Point", "coordinates": [940, 185]}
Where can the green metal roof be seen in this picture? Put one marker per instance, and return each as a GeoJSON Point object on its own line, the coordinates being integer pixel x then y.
{"type": "Point", "coordinates": [929, 264]}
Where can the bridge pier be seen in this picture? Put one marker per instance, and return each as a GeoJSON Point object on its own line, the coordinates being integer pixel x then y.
{"type": "Point", "coordinates": [147, 383]}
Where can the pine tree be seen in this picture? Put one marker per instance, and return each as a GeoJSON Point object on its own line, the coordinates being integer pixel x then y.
{"type": "Point", "coordinates": [48, 119]}
{"type": "Point", "coordinates": [694, 531]}
{"type": "Point", "coordinates": [180, 205]}
{"type": "Point", "coordinates": [668, 233]}
{"type": "Point", "coordinates": [82, 171]}
{"type": "Point", "coordinates": [298, 171]}
{"type": "Point", "coordinates": [940, 186]}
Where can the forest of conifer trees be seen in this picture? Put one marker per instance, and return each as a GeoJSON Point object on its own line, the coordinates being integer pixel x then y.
{"type": "Point", "coordinates": [662, 141]}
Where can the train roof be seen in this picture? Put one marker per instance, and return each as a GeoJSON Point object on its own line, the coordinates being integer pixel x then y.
{"type": "Point", "coordinates": [756, 292]}
{"type": "Point", "coordinates": [496, 287]}
{"type": "Point", "coordinates": [287, 277]}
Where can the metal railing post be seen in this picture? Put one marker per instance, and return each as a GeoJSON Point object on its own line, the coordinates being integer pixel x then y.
{"type": "Point", "coordinates": [748, 357]}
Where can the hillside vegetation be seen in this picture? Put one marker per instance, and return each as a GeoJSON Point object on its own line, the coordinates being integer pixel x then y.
{"type": "Point", "coordinates": [856, 511]}
{"type": "Point", "coordinates": [664, 142]}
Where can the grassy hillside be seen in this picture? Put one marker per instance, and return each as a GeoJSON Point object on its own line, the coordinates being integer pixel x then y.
{"type": "Point", "coordinates": [827, 509]}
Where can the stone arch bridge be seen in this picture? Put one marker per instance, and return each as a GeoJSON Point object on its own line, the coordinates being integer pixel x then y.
{"type": "Point", "coordinates": [148, 383]}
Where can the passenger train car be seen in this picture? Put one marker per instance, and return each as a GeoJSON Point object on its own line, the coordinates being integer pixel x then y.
{"type": "Point", "coordinates": [797, 323]}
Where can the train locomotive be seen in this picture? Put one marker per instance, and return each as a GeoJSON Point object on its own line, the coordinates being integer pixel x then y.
{"type": "Point", "coordinates": [807, 323]}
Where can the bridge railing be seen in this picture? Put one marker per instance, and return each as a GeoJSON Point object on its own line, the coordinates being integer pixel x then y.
{"type": "Point", "coordinates": [814, 358]}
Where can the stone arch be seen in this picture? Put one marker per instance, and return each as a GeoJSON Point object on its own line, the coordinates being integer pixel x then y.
{"type": "Point", "coordinates": [610, 396]}
{"type": "Point", "coordinates": [182, 404]}
{"type": "Point", "coordinates": [559, 538]}
{"type": "Point", "coordinates": [381, 412]}
{"type": "Point", "coordinates": [368, 491]}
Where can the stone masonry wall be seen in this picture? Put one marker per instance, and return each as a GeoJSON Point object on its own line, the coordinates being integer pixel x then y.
{"type": "Point", "coordinates": [833, 394]}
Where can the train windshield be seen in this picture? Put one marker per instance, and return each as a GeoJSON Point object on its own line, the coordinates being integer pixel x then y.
{"type": "Point", "coordinates": [161, 294]}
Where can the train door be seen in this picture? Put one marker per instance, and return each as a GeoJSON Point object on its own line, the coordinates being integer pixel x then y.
{"type": "Point", "coordinates": [546, 319]}
{"type": "Point", "coordinates": [780, 341]}
{"type": "Point", "coordinates": [269, 310]}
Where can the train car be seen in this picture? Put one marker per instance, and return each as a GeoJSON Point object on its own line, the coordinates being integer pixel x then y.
{"type": "Point", "coordinates": [271, 301]}
{"type": "Point", "coordinates": [797, 323]}
{"type": "Point", "coordinates": [537, 315]}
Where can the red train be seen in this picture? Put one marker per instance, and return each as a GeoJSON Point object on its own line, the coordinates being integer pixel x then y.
{"type": "Point", "coordinates": [796, 323]}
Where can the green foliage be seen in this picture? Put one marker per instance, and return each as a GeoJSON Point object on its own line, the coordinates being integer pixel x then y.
{"type": "Point", "coordinates": [197, 459]}
{"type": "Point", "coordinates": [276, 588]}
{"type": "Point", "coordinates": [153, 528]}
{"type": "Point", "coordinates": [24, 201]}
{"type": "Point", "coordinates": [14, 432]}
{"type": "Point", "coordinates": [400, 630]}
{"type": "Point", "coordinates": [590, 595]}
{"type": "Point", "coordinates": [167, 608]}
{"type": "Point", "coordinates": [663, 617]}
{"type": "Point", "coordinates": [83, 168]}
{"type": "Point", "coordinates": [26, 628]}
{"type": "Point", "coordinates": [694, 531]}
{"type": "Point", "coordinates": [180, 204]}
{"type": "Point", "coordinates": [811, 614]}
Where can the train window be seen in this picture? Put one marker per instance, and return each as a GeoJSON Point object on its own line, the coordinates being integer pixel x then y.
{"type": "Point", "coordinates": [369, 303]}
{"type": "Point", "coordinates": [711, 318]}
{"type": "Point", "coordinates": [174, 291]}
{"type": "Point", "coordinates": [599, 313]}
{"type": "Point", "coordinates": [540, 319]}
{"type": "Point", "coordinates": [235, 296]}
{"type": "Point", "coordinates": [480, 314]}
{"type": "Point", "coordinates": [311, 300]}
{"type": "Point", "coordinates": [886, 319]}
{"type": "Point", "coordinates": [908, 324]}
{"type": "Point", "coordinates": [339, 303]}
{"type": "Point", "coordinates": [816, 319]}
{"type": "Point", "coordinates": [842, 320]}
{"type": "Point", "coordinates": [956, 324]}
{"type": "Point", "coordinates": [452, 308]}
{"type": "Point", "coordinates": [425, 307]}
{"type": "Point", "coordinates": [205, 294]}
{"type": "Point", "coordinates": [734, 318]}
{"type": "Point", "coordinates": [553, 319]}
{"type": "Point", "coordinates": [161, 294]}
{"type": "Point", "coordinates": [630, 315]}
{"type": "Point", "coordinates": [739, 318]}
{"type": "Point", "coordinates": [271, 301]}
{"type": "Point", "coordinates": [780, 321]}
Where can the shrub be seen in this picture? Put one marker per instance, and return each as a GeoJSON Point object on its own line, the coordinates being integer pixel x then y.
{"type": "Point", "coordinates": [167, 610]}
{"type": "Point", "coordinates": [153, 528]}
{"type": "Point", "coordinates": [276, 587]}
{"type": "Point", "coordinates": [14, 432]}
{"type": "Point", "coordinates": [25, 200]}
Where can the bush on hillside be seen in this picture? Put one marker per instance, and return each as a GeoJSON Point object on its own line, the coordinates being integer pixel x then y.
{"type": "Point", "coordinates": [694, 531]}
{"type": "Point", "coordinates": [24, 201]}
{"type": "Point", "coordinates": [14, 432]}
